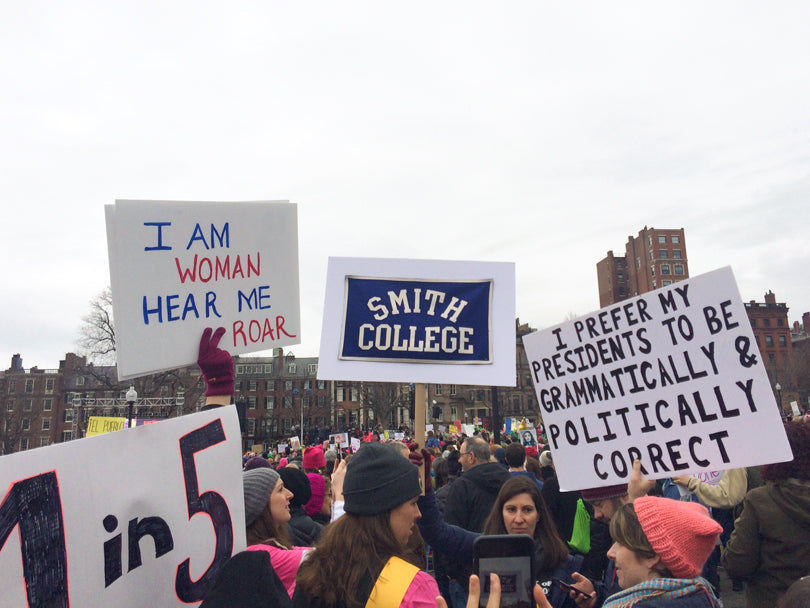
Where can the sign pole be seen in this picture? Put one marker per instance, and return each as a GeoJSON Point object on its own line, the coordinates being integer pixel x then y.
{"type": "Point", "coordinates": [419, 407]}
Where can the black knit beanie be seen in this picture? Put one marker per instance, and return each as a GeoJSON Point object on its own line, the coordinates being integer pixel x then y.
{"type": "Point", "coordinates": [297, 482]}
{"type": "Point", "coordinates": [378, 479]}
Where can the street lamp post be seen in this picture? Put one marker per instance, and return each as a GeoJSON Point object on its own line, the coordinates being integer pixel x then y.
{"type": "Point", "coordinates": [301, 405]}
{"type": "Point", "coordinates": [131, 398]}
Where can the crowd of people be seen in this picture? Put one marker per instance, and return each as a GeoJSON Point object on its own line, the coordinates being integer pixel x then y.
{"type": "Point", "coordinates": [328, 529]}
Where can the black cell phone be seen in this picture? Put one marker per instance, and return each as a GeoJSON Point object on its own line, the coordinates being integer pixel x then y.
{"type": "Point", "coordinates": [511, 557]}
{"type": "Point", "coordinates": [570, 587]}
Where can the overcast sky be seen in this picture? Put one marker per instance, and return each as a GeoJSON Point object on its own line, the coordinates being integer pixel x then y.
{"type": "Point", "coordinates": [533, 132]}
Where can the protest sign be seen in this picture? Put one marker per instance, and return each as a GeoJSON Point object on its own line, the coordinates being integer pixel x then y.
{"type": "Point", "coordinates": [673, 378]}
{"type": "Point", "coordinates": [355, 441]}
{"type": "Point", "coordinates": [142, 517]}
{"type": "Point", "coordinates": [528, 438]}
{"type": "Point", "coordinates": [99, 425]}
{"type": "Point", "coordinates": [179, 267]}
{"type": "Point", "coordinates": [341, 439]}
{"type": "Point", "coordinates": [417, 321]}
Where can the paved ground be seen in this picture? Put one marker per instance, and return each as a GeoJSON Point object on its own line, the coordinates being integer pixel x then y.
{"type": "Point", "coordinates": [730, 599]}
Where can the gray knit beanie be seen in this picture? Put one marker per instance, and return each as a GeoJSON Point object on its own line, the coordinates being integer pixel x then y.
{"type": "Point", "coordinates": [378, 479]}
{"type": "Point", "coordinates": [258, 484]}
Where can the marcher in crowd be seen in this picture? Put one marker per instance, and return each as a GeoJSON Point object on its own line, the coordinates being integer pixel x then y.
{"type": "Point", "coordinates": [660, 546]}
{"type": "Point", "coordinates": [770, 545]}
{"type": "Point", "coordinates": [365, 550]}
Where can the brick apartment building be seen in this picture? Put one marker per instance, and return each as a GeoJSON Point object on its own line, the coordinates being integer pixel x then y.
{"type": "Point", "coordinates": [653, 259]}
{"type": "Point", "coordinates": [275, 396]}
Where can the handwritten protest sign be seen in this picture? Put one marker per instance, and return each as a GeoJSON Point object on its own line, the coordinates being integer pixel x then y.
{"type": "Point", "coordinates": [396, 320]}
{"type": "Point", "coordinates": [672, 377]}
{"type": "Point", "coordinates": [179, 267]}
{"type": "Point", "coordinates": [99, 425]}
{"type": "Point", "coordinates": [141, 517]}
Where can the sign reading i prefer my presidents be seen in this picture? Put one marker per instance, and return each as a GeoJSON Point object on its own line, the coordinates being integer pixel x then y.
{"type": "Point", "coordinates": [673, 378]}
{"type": "Point", "coordinates": [179, 267]}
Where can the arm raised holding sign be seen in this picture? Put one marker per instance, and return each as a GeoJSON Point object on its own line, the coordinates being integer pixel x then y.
{"type": "Point", "coordinates": [216, 365]}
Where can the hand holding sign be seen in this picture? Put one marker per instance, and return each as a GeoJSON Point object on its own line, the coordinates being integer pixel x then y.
{"type": "Point", "coordinates": [215, 364]}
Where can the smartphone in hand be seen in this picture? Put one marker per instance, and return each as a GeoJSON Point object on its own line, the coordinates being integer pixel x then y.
{"type": "Point", "coordinates": [570, 587]}
{"type": "Point", "coordinates": [511, 557]}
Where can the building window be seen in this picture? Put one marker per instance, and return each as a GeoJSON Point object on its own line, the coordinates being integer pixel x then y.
{"type": "Point", "coordinates": [353, 396]}
{"type": "Point", "coordinates": [638, 262]}
{"type": "Point", "coordinates": [453, 412]}
{"type": "Point", "coordinates": [288, 400]}
{"type": "Point", "coordinates": [291, 368]}
{"type": "Point", "coordinates": [452, 389]}
{"type": "Point", "coordinates": [678, 268]}
{"type": "Point", "coordinates": [780, 323]}
{"type": "Point", "coordinates": [676, 254]}
{"type": "Point", "coordinates": [321, 384]}
{"type": "Point", "coordinates": [251, 430]}
{"type": "Point", "coordinates": [662, 239]}
{"type": "Point", "coordinates": [472, 395]}
{"type": "Point", "coordinates": [270, 402]}
{"type": "Point", "coordinates": [270, 385]}
{"type": "Point", "coordinates": [67, 436]}
{"type": "Point", "coordinates": [288, 385]}
{"type": "Point", "coordinates": [28, 405]}
{"type": "Point", "coordinates": [268, 369]}
{"type": "Point", "coordinates": [307, 385]}
{"type": "Point", "coordinates": [339, 394]}
{"type": "Point", "coordinates": [676, 239]}
{"type": "Point", "coordinates": [67, 416]}
{"type": "Point", "coordinates": [663, 254]}
{"type": "Point", "coordinates": [240, 369]}
{"type": "Point", "coordinates": [286, 426]}
{"type": "Point", "coordinates": [768, 340]}
{"type": "Point", "coordinates": [782, 341]}
{"type": "Point", "coordinates": [665, 283]}
{"type": "Point", "coordinates": [652, 270]}
{"type": "Point", "coordinates": [251, 403]}
{"type": "Point", "coordinates": [43, 442]}
{"type": "Point", "coordinates": [29, 385]}
{"type": "Point", "coordinates": [312, 369]}
{"type": "Point", "coordinates": [12, 386]}
{"type": "Point", "coordinates": [23, 444]}
{"type": "Point", "coordinates": [252, 385]}
{"type": "Point", "coordinates": [80, 381]}
{"type": "Point", "coordinates": [26, 424]}
{"type": "Point", "coordinates": [665, 269]}
{"type": "Point", "coordinates": [10, 405]}
{"type": "Point", "coordinates": [766, 322]}
{"type": "Point", "coordinates": [437, 389]}
{"type": "Point", "coordinates": [651, 255]}
{"type": "Point", "coordinates": [46, 424]}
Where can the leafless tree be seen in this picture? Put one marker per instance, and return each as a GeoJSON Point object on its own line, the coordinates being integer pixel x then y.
{"type": "Point", "coordinates": [383, 398]}
{"type": "Point", "coordinates": [97, 333]}
{"type": "Point", "coordinates": [98, 344]}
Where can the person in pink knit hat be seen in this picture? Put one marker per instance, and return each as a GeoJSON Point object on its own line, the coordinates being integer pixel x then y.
{"type": "Point", "coordinates": [660, 546]}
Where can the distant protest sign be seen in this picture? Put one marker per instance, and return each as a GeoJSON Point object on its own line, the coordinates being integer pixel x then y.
{"type": "Point", "coordinates": [141, 517]}
{"type": "Point", "coordinates": [673, 378]}
{"type": "Point", "coordinates": [99, 425]}
{"type": "Point", "coordinates": [396, 320]}
{"type": "Point", "coordinates": [179, 267]}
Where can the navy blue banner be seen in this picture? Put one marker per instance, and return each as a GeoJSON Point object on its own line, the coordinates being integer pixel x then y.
{"type": "Point", "coordinates": [422, 321]}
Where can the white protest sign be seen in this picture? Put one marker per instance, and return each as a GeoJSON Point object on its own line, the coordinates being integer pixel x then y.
{"type": "Point", "coordinates": [355, 443]}
{"type": "Point", "coordinates": [794, 407]}
{"type": "Point", "coordinates": [672, 377]}
{"type": "Point", "coordinates": [341, 439]}
{"type": "Point", "coordinates": [140, 517]}
{"type": "Point", "coordinates": [179, 267]}
{"type": "Point", "coordinates": [398, 320]}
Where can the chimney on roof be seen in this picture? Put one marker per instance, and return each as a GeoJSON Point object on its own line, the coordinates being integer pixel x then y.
{"type": "Point", "coordinates": [16, 363]}
{"type": "Point", "coordinates": [770, 297]}
{"type": "Point", "coordinates": [806, 322]}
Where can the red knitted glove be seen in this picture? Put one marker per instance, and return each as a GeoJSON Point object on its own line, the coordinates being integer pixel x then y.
{"type": "Point", "coordinates": [215, 364]}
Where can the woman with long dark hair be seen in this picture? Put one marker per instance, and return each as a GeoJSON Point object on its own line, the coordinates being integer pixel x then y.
{"type": "Point", "coordinates": [520, 509]}
{"type": "Point", "coordinates": [364, 554]}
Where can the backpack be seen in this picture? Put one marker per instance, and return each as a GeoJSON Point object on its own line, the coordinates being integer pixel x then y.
{"type": "Point", "coordinates": [581, 534]}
